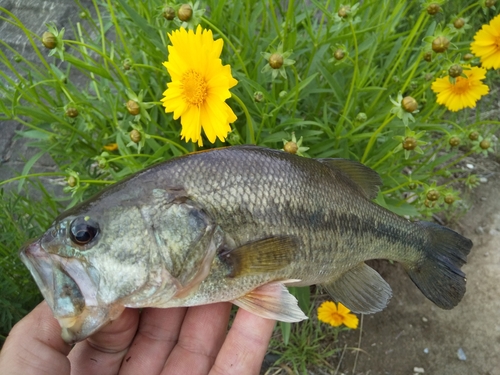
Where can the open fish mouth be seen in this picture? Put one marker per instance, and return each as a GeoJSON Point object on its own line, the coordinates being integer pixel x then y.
{"type": "Point", "coordinates": [68, 289]}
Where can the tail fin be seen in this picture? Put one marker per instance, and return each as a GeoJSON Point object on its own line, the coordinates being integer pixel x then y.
{"type": "Point", "coordinates": [438, 274]}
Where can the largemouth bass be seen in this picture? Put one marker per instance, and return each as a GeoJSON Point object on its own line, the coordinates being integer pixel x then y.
{"type": "Point", "coordinates": [236, 224]}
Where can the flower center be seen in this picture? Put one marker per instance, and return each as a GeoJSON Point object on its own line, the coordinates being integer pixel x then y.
{"type": "Point", "coordinates": [337, 318]}
{"type": "Point", "coordinates": [461, 85]}
{"type": "Point", "coordinates": [194, 88]}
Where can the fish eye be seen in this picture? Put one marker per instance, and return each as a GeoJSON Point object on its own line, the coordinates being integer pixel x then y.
{"type": "Point", "coordinates": [83, 230]}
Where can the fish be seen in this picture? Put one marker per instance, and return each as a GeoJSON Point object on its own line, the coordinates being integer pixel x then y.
{"type": "Point", "coordinates": [236, 224]}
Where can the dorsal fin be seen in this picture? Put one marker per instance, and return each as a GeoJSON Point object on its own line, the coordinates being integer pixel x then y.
{"type": "Point", "coordinates": [366, 178]}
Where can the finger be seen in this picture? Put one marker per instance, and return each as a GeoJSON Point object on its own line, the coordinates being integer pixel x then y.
{"type": "Point", "coordinates": [34, 346]}
{"type": "Point", "coordinates": [102, 353]}
{"type": "Point", "coordinates": [202, 334]}
{"type": "Point", "coordinates": [245, 346]}
{"type": "Point", "coordinates": [156, 337]}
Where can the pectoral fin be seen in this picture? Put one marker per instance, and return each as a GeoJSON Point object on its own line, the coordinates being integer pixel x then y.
{"type": "Point", "coordinates": [361, 289]}
{"type": "Point", "coordinates": [272, 301]}
{"type": "Point", "coordinates": [262, 256]}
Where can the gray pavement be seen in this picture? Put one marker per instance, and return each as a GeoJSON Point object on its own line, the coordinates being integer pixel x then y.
{"type": "Point", "coordinates": [14, 150]}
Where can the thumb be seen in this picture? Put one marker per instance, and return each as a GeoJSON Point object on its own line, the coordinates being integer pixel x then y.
{"type": "Point", "coordinates": [34, 346]}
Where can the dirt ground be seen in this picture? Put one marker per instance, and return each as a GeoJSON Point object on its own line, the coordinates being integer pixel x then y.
{"type": "Point", "coordinates": [413, 336]}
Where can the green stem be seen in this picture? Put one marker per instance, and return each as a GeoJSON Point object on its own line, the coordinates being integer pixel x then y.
{"type": "Point", "coordinates": [274, 18]}
{"type": "Point", "coordinates": [149, 67]}
{"type": "Point", "coordinates": [129, 156]}
{"type": "Point", "coordinates": [455, 161]}
{"type": "Point", "coordinates": [353, 81]}
{"type": "Point", "coordinates": [166, 140]}
{"type": "Point", "coordinates": [98, 182]}
{"type": "Point", "coordinates": [85, 55]}
{"type": "Point", "coordinates": [395, 188]}
{"type": "Point", "coordinates": [248, 117]}
{"type": "Point", "coordinates": [387, 156]}
{"type": "Point", "coordinates": [373, 138]}
{"type": "Point", "coordinates": [45, 174]}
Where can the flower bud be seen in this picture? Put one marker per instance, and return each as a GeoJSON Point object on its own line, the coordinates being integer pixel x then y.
{"type": "Point", "coordinates": [133, 107]}
{"type": "Point", "coordinates": [344, 11]}
{"type": "Point", "coordinates": [71, 112]}
{"type": "Point", "coordinates": [455, 70]}
{"type": "Point", "coordinates": [428, 56]}
{"type": "Point", "coordinates": [489, 3]}
{"type": "Point", "coordinates": [127, 64]}
{"type": "Point", "coordinates": [291, 147]}
{"type": "Point", "coordinates": [410, 143]}
{"type": "Point", "coordinates": [258, 96]}
{"type": "Point", "coordinates": [473, 136]}
{"type": "Point", "coordinates": [49, 40]}
{"type": "Point", "coordinates": [449, 199]}
{"type": "Point", "coordinates": [18, 58]}
{"type": "Point", "coordinates": [409, 104]}
{"type": "Point", "coordinates": [433, 195]}
{"type": "Point", "coordinates": [135, 136]}
{"type": "Point", "coordinates": [169, 13]}
{"type": "Point", "coordinates": [185, 12]}
{"type": "Point", "coordinates": [412, 186]}
{"type": "Point", "coordinates": [83, 15]}
{"type": "Point", "coordinates": [454, 141]}
{"type": "Point", "coordinates": [71, 181]}
{"type": "Point", "coordinates": [361, 117]}
{"type": "Point", "coordinates": [459, 23]}
{"type": "Point", "coordinates": [429, 204]}
{"type": "Point", "coordinates": [339, 54]}
{"type": "Point", "coordinates": [485, 144]}
{"type": "Point", "coordinates": [276, 60]}
{"type": "Point", "coordinates": [440, 44]}
{"type": "Point", "coordinates": [433, 9]}
{"type": "Point", "coordinates": [468, 56]}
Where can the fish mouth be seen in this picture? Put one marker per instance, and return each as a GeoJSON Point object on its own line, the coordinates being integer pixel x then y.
{"type": "Point", "coordinates": [70, 290]}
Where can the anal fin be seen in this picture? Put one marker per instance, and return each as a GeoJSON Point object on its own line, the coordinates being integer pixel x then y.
{"type": "Point", "coordinates": [272, 301]}
{"type": "Point", "coordinates": [361, 289]}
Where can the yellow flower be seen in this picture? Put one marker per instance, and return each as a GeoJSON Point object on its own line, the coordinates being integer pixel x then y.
{"type": "Point", "coordinates": [329, 313]}
{"type": "Point", "coordinates": [486, 44]}
{"type": "Point", "coordinates": [465, 92]}
{"type": "Point", "coordinates": [200, 85]}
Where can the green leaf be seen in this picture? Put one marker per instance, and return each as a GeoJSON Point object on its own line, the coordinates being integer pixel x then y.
{"type": "Point", "coordinates": [87, 67]}
{"type": "Point", "coordinates": [27, 168]}
{"type": "Point", "coordinates": [286, 328]}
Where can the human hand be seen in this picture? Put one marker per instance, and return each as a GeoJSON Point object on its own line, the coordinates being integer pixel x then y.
{"type": "Point", "coordinates": [180, 341]}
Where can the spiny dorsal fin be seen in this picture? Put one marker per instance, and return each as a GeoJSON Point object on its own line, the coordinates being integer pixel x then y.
{"type": "Point", "coordinates": [261, 256]}
{"type": "Point", "coordinates": [361, 290]}
{"type": "Point", "coordinates": [272, 301]}
{"type": "Point", "coordinates": [366, 178]}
